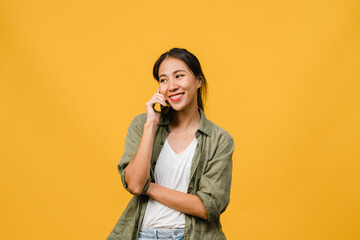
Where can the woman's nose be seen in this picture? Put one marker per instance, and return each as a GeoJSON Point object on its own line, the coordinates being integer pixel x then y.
{"type": "Point", "coordinates": [172, 85]}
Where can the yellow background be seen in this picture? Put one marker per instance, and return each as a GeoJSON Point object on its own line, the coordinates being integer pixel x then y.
{"type": "Point", "coordinates": [283, 80]}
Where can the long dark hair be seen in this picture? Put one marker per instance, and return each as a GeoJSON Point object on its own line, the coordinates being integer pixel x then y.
{"type": "Point", "coordinates": [192, 62]}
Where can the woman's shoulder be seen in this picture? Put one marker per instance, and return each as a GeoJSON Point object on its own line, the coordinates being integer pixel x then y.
{"type": "Point", "coordinates": [139, 119]}
{"type": "Point", "coordinates": [218, 132]}
{"type": "Point", "coordinates": [137, 123]}
{"type": "Point", "coordinates": [213, 130]}
{"type": "Point", "coordinates": [219, 141]}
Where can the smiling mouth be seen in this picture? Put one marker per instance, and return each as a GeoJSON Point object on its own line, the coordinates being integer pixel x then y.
{"type": "Point", "coordinates": [177, 97]}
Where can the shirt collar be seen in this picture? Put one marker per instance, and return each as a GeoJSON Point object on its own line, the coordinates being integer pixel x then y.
{"type": "Point", "coordinates": [204, 125]}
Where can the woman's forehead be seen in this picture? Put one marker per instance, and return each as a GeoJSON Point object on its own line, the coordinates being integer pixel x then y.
{"type": "Point", "coordinates": [171, 64]}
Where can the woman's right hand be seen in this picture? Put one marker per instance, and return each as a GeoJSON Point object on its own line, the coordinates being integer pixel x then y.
{"type": "Point", "coordinates": [152, 115]}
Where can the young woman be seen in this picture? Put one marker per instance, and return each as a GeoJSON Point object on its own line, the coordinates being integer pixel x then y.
{"type": "Point", "coordinates": [176, 163]}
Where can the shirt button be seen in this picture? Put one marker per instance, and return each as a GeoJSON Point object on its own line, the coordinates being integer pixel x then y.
{"type": "Point", "coordinates": [175, 232]}
{"type": "Point", "coordinates": [162, 142]}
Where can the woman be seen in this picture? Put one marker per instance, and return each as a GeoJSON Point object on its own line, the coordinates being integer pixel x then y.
{"type": "Point", "coordinates": [176, 163]}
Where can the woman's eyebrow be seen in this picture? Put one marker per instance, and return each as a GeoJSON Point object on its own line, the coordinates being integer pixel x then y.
{"type": "Point", "coordinates": [176, 71]}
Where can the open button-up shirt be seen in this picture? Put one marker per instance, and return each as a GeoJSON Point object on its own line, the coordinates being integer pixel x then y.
{"type": "Point", "coordinates": [210, 178]}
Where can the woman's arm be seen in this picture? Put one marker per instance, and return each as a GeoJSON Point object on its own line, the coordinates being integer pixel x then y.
{"type": "Point", "coordinates": [138, 170]}
{"type": "Point", "coordinates": [180, 201]}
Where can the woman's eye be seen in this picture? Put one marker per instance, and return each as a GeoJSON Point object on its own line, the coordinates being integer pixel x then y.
{"type": "Point", "coordinates": [162, 80]}
{"type": "Point", "coordinates": [179, 75]}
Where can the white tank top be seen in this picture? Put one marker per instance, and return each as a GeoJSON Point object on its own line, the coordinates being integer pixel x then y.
{"type": "Point", "coordinates": [172, 171]}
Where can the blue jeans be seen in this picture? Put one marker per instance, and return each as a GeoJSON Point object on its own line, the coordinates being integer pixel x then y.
{"type": "Point", "coordinates": [161, 233]}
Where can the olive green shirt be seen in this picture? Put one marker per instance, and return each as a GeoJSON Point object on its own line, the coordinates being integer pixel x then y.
{"type": "Point", "coordinates": [210, 179]}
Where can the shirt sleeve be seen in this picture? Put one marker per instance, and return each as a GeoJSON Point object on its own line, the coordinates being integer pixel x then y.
{"type": "Point", "coordinates": [132, 142]}
{"type": "Point", "coordinates": [215, 183]}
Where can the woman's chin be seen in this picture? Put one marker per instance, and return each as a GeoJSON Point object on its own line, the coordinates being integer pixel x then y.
{"type": "Point", "coordinates": [179, 108]}
{"type": "Point", "coordinates": [178, 105]}
{"type": "Point", "coordinates": [183, 107]}
{"type": "Point", "coordinates": [176, 109]}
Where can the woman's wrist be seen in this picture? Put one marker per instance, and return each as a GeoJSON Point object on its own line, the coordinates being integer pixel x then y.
{"type": "Point", "coordinates": [148, 191]}
{"type": "Point", "coordinates": [150, 123]}
{"type": "Point", "coordinates": [150, 127]}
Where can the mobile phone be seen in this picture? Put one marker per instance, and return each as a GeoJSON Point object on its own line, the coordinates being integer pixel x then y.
{"type": "Point", "coordinates": [162, 109]}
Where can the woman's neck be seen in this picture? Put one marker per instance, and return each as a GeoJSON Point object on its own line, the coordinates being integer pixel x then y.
{"type": "Point", "coordinates": [185, 120]}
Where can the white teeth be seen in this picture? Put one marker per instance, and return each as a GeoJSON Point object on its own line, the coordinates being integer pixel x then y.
{"type": "Point", "coordinates": [176, 96]}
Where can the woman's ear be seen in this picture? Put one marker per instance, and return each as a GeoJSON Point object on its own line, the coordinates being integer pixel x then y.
{"type": "Point", "coordinates": [199, 81]}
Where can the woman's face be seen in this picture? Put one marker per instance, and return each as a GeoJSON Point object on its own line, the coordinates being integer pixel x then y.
{"type": "Point", "coordinates": [178, 84]}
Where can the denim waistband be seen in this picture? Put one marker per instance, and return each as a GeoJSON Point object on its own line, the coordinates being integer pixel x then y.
{"type": "Point", "coordinates": [161, 233]}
